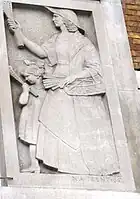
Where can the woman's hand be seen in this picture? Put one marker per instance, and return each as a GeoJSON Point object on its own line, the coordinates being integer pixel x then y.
{"type": "Point", "coordinates": [15, 29]}
{"type": "Point", "coordinates": [13, 25]}
{"type": "Point", "coordinates": [68, 80]}
{"type": "Point", "coordinates": [54, 83]}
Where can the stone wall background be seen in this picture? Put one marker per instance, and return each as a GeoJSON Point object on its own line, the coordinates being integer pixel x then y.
{"type": "Point", "coordinates": [132, 18]}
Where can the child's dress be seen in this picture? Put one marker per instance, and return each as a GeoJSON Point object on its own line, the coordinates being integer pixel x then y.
{"type": "Point", "coordinates": [29, 118]}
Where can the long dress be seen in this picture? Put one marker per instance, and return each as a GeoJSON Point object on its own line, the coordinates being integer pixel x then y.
{"type": "Point", "coordinates": [75, 134]}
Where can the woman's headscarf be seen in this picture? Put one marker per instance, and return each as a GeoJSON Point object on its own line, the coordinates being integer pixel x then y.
{"type": "Point", "coordinates": [67, 14]}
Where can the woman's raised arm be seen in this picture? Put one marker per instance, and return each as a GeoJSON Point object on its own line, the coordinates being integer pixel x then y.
{"type": "Point", "coordinates": [31, 46]}
{"type": "Point", "coordinates": [34, 48]}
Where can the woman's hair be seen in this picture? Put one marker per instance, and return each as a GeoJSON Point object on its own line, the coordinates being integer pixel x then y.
{"type": "Point", "coordinates": [71, 27]}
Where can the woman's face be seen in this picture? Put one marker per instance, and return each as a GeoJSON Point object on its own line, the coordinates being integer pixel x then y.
{"type": "Point", "coordinates": [58, 20]}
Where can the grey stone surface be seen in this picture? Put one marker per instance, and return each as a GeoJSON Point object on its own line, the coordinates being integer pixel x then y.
{"type": "Point", "coordinates": [111, 79]}
{"type": "Point", "coordinates": [7, 121]}
{"type": "Point", "coordinates": [119, 46]}
{"type": "Point", "coordinates": [131, 115]}
{"type": "Point", "coordinates": [34, 193]}
{"type": "Point", "coordinates": [125, 78]}
{"type": "Point", "coordinates": [79, 5]}
{"type": "Point", "coordinates": [116, 2]}
{"type": "Point", "coordinates": [118, 75]}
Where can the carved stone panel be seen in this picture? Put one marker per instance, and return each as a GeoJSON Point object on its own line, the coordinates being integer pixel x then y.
{"type": "Point", "coordinates": [63, 110]}
{"type": "Point", "coordinates": [64, 123]}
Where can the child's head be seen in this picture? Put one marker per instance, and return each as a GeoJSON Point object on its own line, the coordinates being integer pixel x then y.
{"type": "Point", "coordinates": [33, 71]}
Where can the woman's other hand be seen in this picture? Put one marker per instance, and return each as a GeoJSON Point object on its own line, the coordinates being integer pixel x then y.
{"type": "Point", "coordinates": [68, 80]}
{"type": "Point", "coordinates": [54, 83]}
{"type": "Point", "coordinates": [50, 83]}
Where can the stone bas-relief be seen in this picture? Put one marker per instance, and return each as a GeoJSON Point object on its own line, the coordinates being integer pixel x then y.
{"type": "Point", "coordinates": [67, 127]}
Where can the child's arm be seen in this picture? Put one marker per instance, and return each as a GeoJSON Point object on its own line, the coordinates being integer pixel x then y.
{"type": "Point", "coordinates": [24, 97]}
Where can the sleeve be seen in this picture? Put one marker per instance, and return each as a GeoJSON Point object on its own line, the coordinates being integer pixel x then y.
{"type": "Point", "coordinates": [92, 85]}
{"type": "Point", "coordinates": [49, 48]}
{"type": "Point", "coordinates": [92, 61]}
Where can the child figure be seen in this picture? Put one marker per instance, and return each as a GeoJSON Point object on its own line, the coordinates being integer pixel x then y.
{"type": "Point", "coordinates": [29, 118]}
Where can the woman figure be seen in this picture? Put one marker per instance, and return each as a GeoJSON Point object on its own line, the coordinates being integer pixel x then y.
{"type": "Point", "coordinates": [75, 134]}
